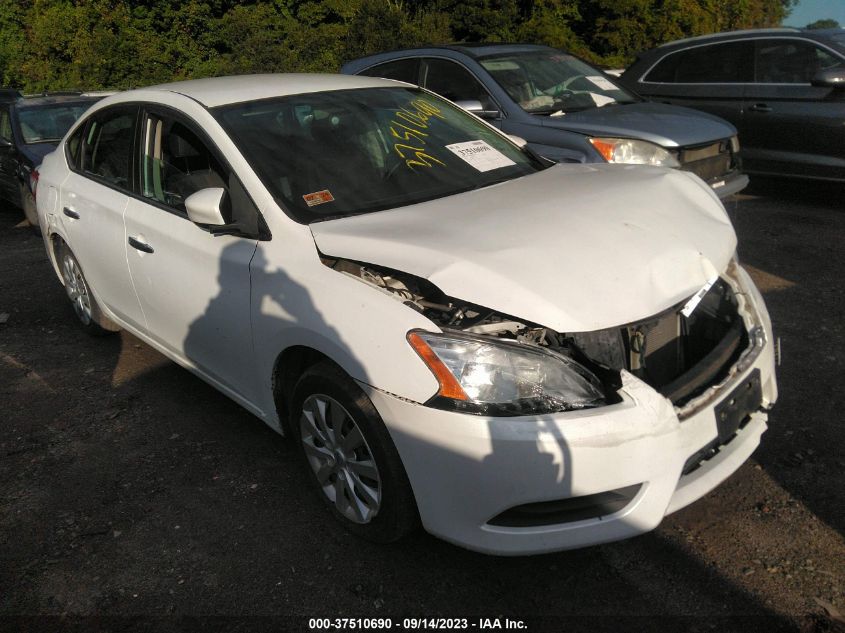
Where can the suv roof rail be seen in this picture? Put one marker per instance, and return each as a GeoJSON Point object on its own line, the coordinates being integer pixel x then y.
{"type": "Point", "coordinates": [740, 32]}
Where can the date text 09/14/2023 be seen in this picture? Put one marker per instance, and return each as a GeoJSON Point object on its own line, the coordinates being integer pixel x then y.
{"type": "Point", "coordinates": [414, 624]}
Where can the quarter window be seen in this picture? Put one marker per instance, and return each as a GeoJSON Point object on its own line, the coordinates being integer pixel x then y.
{"type": "Point", "coordinates": [790, 61]}
{"type": "Point", "coordinates": [107, 148]}
{"type": "Point", "coordinates": [400, 69]}
{"type": "Point", "coordinates": [729, 62]}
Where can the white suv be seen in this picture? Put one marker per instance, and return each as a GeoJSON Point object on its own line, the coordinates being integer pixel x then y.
{"type": "Point", "coordinates": [523, 357]}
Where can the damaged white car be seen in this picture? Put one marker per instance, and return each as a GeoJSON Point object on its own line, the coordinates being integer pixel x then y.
{"type": "Point", "coordinates": [522, 358]}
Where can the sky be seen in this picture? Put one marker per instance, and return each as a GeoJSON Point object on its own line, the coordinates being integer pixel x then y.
{"type": "Point", "coordinates": [809, 11]}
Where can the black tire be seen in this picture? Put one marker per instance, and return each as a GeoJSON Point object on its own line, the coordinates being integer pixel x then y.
{"type": "Point", "coordinates": [396, 512]}
{"type": "Point", "coordinates": [84, 304]}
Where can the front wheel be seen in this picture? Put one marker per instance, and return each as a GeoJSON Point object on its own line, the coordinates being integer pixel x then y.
{"type": "Point", "coordinates": [352, 460]}
{"type": "Point", "coordinates": [84, 305]}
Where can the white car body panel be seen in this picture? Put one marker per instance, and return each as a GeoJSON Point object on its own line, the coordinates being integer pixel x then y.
{"type": "Point", "coordinates": [584, 263]}
{"type": "Point", "coordinates": [622, 244]}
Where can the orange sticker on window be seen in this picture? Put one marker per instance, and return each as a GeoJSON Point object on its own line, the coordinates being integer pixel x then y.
{"type": "Point", "coordinates": [318, 197]}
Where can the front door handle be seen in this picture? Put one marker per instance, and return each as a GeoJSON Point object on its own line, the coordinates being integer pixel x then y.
{"type": "Point", "coordinates": [70, 213]}
{"type": "Point", "coordinates": [141, 246]}
{"type": "Point", "coordinates": [760, 107]}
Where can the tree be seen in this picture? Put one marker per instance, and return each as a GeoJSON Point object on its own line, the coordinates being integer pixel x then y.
{"type": "Point", "coordinates": [826, 23]}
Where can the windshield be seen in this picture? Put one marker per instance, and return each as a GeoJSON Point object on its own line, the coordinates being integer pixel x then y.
{"type": "Point", "coordinates": [552, 82]}
{"type": "Point", "coordinates": [332, 154]}
{"type": "Point", "coordinates": [49, 123]}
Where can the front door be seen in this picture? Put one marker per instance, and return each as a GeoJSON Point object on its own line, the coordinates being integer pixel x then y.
{"type": "Point", "coordinates": [194, 287]}
{"type": "Point", "coordinates": [791, 126]}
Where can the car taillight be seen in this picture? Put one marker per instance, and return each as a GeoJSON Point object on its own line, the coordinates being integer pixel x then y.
{"type": "Point", "coordinates": [33, 182]}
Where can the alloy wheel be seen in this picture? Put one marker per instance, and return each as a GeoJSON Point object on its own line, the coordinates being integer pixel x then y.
{"type": "Point", "coordinates": [341, 459]}
{"type": "Point", "coordinates": [77, 289]}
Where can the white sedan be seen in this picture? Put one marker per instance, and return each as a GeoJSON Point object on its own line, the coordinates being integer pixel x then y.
{"type": "Point", "coordinates": [522, 357]}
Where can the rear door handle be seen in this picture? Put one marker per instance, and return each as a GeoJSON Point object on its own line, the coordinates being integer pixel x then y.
{"type": "Point", "coordinates": [760, 107]}
{"type": "Point", "coordinates": [70, 213]}
{"type": "Point", "coordinates": [141, 246]}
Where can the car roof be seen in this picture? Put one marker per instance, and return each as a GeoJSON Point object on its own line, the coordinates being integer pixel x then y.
{"type": "Point", "coordinates": [474, 50]}
{"type": "Point", "coordinates": [47, 100]}
{"type": "Point", "coordinates": [218, 91]}
{"type": "Point", "coordinates": [488, 49]}
{"type": "Point", "coordinates": [819, 35]}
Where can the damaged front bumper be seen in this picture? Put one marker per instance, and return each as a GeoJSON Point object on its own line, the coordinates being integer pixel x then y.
{"type": "Point", "coordinates": [534, 484]}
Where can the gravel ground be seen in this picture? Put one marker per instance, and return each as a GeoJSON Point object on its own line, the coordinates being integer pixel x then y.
{"type": "Point", "coordinates": [135, 497]}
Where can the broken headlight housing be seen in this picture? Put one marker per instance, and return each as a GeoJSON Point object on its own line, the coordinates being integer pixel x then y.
{"type": "Point", "coordinates": [634, 152]}
{"type": "Point", "coordinates": [488, 376]}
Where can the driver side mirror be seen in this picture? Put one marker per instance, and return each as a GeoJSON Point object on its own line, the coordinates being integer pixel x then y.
{"type": "Point", "coordinates": [204, 206]}
{"type": "Point", "coordinates": [830, 78]}
{"type": "Point", "coordinates": [474, 107]}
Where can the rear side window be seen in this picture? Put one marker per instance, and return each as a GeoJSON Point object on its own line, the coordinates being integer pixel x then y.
{"type": "Point", "coordinates": [400, 69]}
{"type": "Point", "coordinates": [107, 146]}
{"type": "Point", "coordinates": [730, 62]}
{"type": "Point", "coordinates": [785, 61]}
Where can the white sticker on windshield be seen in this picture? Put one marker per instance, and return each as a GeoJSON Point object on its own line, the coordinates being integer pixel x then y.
{"type": "Point", "coordinates": [480, 155]}
{"type": "Point", "coordinates": [601, 100]}
{"type": "Point", "coordinates": [601, 82]}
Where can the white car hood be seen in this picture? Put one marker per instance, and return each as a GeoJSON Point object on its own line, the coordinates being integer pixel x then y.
{"type": "Point", "coordinates": [574, 248]}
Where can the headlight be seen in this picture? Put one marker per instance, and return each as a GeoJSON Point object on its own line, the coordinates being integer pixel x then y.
{"type": "Point", "coordinates": [479, 375]}
{"type": "Point", "coordinates": [634, 152]}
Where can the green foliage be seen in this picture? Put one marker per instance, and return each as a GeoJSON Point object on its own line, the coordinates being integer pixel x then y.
{"type": "Point", "coordinates": [114, 44]}
{"type": "Point", "coordinates": [826, 23]}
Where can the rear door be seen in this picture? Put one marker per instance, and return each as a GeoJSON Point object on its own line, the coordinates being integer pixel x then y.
{"type": "Point", "coordinates": [791, 126]}
{"type": "Point", "coordinates": [92, 201]}
{"type": "Point", "coordinates": [708, 77]}
{"type": "Point", "coordinates": [194, 286]}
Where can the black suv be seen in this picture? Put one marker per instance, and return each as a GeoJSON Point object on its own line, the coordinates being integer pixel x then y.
{"type": "Point", "coordinates": [783, 89]}
{"type": "Point", "coordinates": [30, 128]}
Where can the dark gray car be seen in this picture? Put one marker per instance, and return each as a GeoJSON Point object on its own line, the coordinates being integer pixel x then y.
{"type": "Point", "coordinates": [565, 109]}
{"type": "Point", "coordinates": [30, 128]}
{"type": "Point", "coordinates": [783, 89]}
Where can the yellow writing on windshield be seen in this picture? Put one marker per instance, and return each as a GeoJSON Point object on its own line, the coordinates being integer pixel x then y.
{"type": "Point", "coordinates": [408, 126]}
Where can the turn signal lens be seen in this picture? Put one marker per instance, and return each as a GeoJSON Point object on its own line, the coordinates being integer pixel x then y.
{"type": "Point", "coordinates": [449, 386]}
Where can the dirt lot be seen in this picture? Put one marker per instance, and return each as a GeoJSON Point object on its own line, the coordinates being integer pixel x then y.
{"type": "Point", "coordinates": [133, 492]}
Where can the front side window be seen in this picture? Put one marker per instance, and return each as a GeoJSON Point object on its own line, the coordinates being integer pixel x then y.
{"type": "Point", "coordinates": [786, 61]}
{"type": "Point", "coordinates": [48, 124]}
{"type": "Point", "coordinates": [456, 83]}
{"type": "Point", "coordinates": [551, 82]}
{"type": "Point", "coordinates": [729, 62]}
{"type": "Point", "coordinates": [400, 69]}
{"type": "Point", "coordinates": [175, 162]}
{"type": "Point", "coordinates": [332, 154]}
{"type": "Point", "coordinates": [107, 146]}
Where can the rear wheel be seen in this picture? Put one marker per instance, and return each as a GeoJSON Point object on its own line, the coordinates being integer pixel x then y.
{"type": "Point", "coordinates": [84, 305]}
{"type": "Point", "coordinates": [353, 463]}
